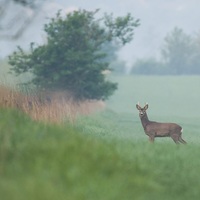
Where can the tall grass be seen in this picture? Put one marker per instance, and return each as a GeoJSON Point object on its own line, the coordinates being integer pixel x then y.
{"type": "Point", "coordinates": [54, 162]}
{"type": "Point", "coordinates": [104, 155]}
{"type": "Point", "coordinates": [40, 161]}
{"type": "Point", "coordinates": [52, 107]}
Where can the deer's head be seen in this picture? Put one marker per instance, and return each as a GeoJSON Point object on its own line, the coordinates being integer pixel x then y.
{"type": "Point", "coordinates": [142, 111]}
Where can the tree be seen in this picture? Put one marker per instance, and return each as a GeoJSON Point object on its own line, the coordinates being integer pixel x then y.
{"type": "Point", "coordinates": [177, 51]}
{"type": "Point", "coordinates": [73, 58]}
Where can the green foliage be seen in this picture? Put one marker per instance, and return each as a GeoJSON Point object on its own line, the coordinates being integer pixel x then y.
{"type": "Point", "coordinates": [74, 58]}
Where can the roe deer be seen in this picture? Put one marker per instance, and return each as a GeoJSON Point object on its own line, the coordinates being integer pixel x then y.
{"type": "Point", "coordinates": [156, 129]}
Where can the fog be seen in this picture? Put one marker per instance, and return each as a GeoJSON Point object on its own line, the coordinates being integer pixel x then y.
{"type": "Point", "coordinates": [157, 18]}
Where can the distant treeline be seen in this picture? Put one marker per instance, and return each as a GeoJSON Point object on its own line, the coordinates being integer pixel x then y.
{"type": "Point", "coordinates": [180, 55]}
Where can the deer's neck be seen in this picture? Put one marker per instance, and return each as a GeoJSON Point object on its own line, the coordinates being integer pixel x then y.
{"type": "Point", "coordinates": [144, 120]}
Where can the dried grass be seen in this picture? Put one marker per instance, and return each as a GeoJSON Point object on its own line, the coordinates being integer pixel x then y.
{"type": "Point", "coordinates": [53, 107]}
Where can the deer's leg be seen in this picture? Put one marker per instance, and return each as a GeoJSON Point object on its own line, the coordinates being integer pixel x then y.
{"type": "Point", "coordinates": [151, 138]}
{"type": "Point", "coordinates": [182, 140]}
{"type": "Point", "coordinates": [175, 137]}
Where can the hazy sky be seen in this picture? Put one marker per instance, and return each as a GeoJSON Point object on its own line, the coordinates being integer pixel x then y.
{"type": "Point", "coordinates": [158, 17]}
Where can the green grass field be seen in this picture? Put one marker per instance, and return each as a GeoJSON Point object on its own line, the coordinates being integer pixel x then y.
{"type": "Point", "coordinates": [169, 96]}
{"type": "Point", "coordinates": [170, 99]}
{"type": "Point", "coordinates": [106, 156]}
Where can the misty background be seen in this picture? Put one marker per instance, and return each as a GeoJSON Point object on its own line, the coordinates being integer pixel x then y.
{"type": "Point", "coordinates": [157, 19]}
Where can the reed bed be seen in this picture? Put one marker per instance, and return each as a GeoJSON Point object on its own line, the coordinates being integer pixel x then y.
{"type": "Point", "coordinates": [53, 107]}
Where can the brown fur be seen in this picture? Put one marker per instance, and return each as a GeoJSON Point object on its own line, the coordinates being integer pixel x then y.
{"type": "Point", "coordinates": [156, 129]}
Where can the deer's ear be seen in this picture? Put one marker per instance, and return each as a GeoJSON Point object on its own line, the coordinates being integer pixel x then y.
{"type": "Point", "coordinates": [138, 107]}
{"type": "Point", "coordinates": [146, 106]}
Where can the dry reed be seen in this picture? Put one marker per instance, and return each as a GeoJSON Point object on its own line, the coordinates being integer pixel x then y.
{"type": "Point", "coordinates": [53, 107]}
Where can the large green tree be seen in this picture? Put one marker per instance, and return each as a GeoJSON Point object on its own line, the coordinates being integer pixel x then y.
{"type": "Point", "coordinates": [73, 58]}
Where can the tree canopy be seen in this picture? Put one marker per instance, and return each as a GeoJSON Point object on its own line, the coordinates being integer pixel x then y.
{"type": "Point", "coordinates": [74, 57]}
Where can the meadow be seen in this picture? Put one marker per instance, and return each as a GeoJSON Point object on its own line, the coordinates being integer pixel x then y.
{"type": "Point", "coordinates": [105, 154]}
